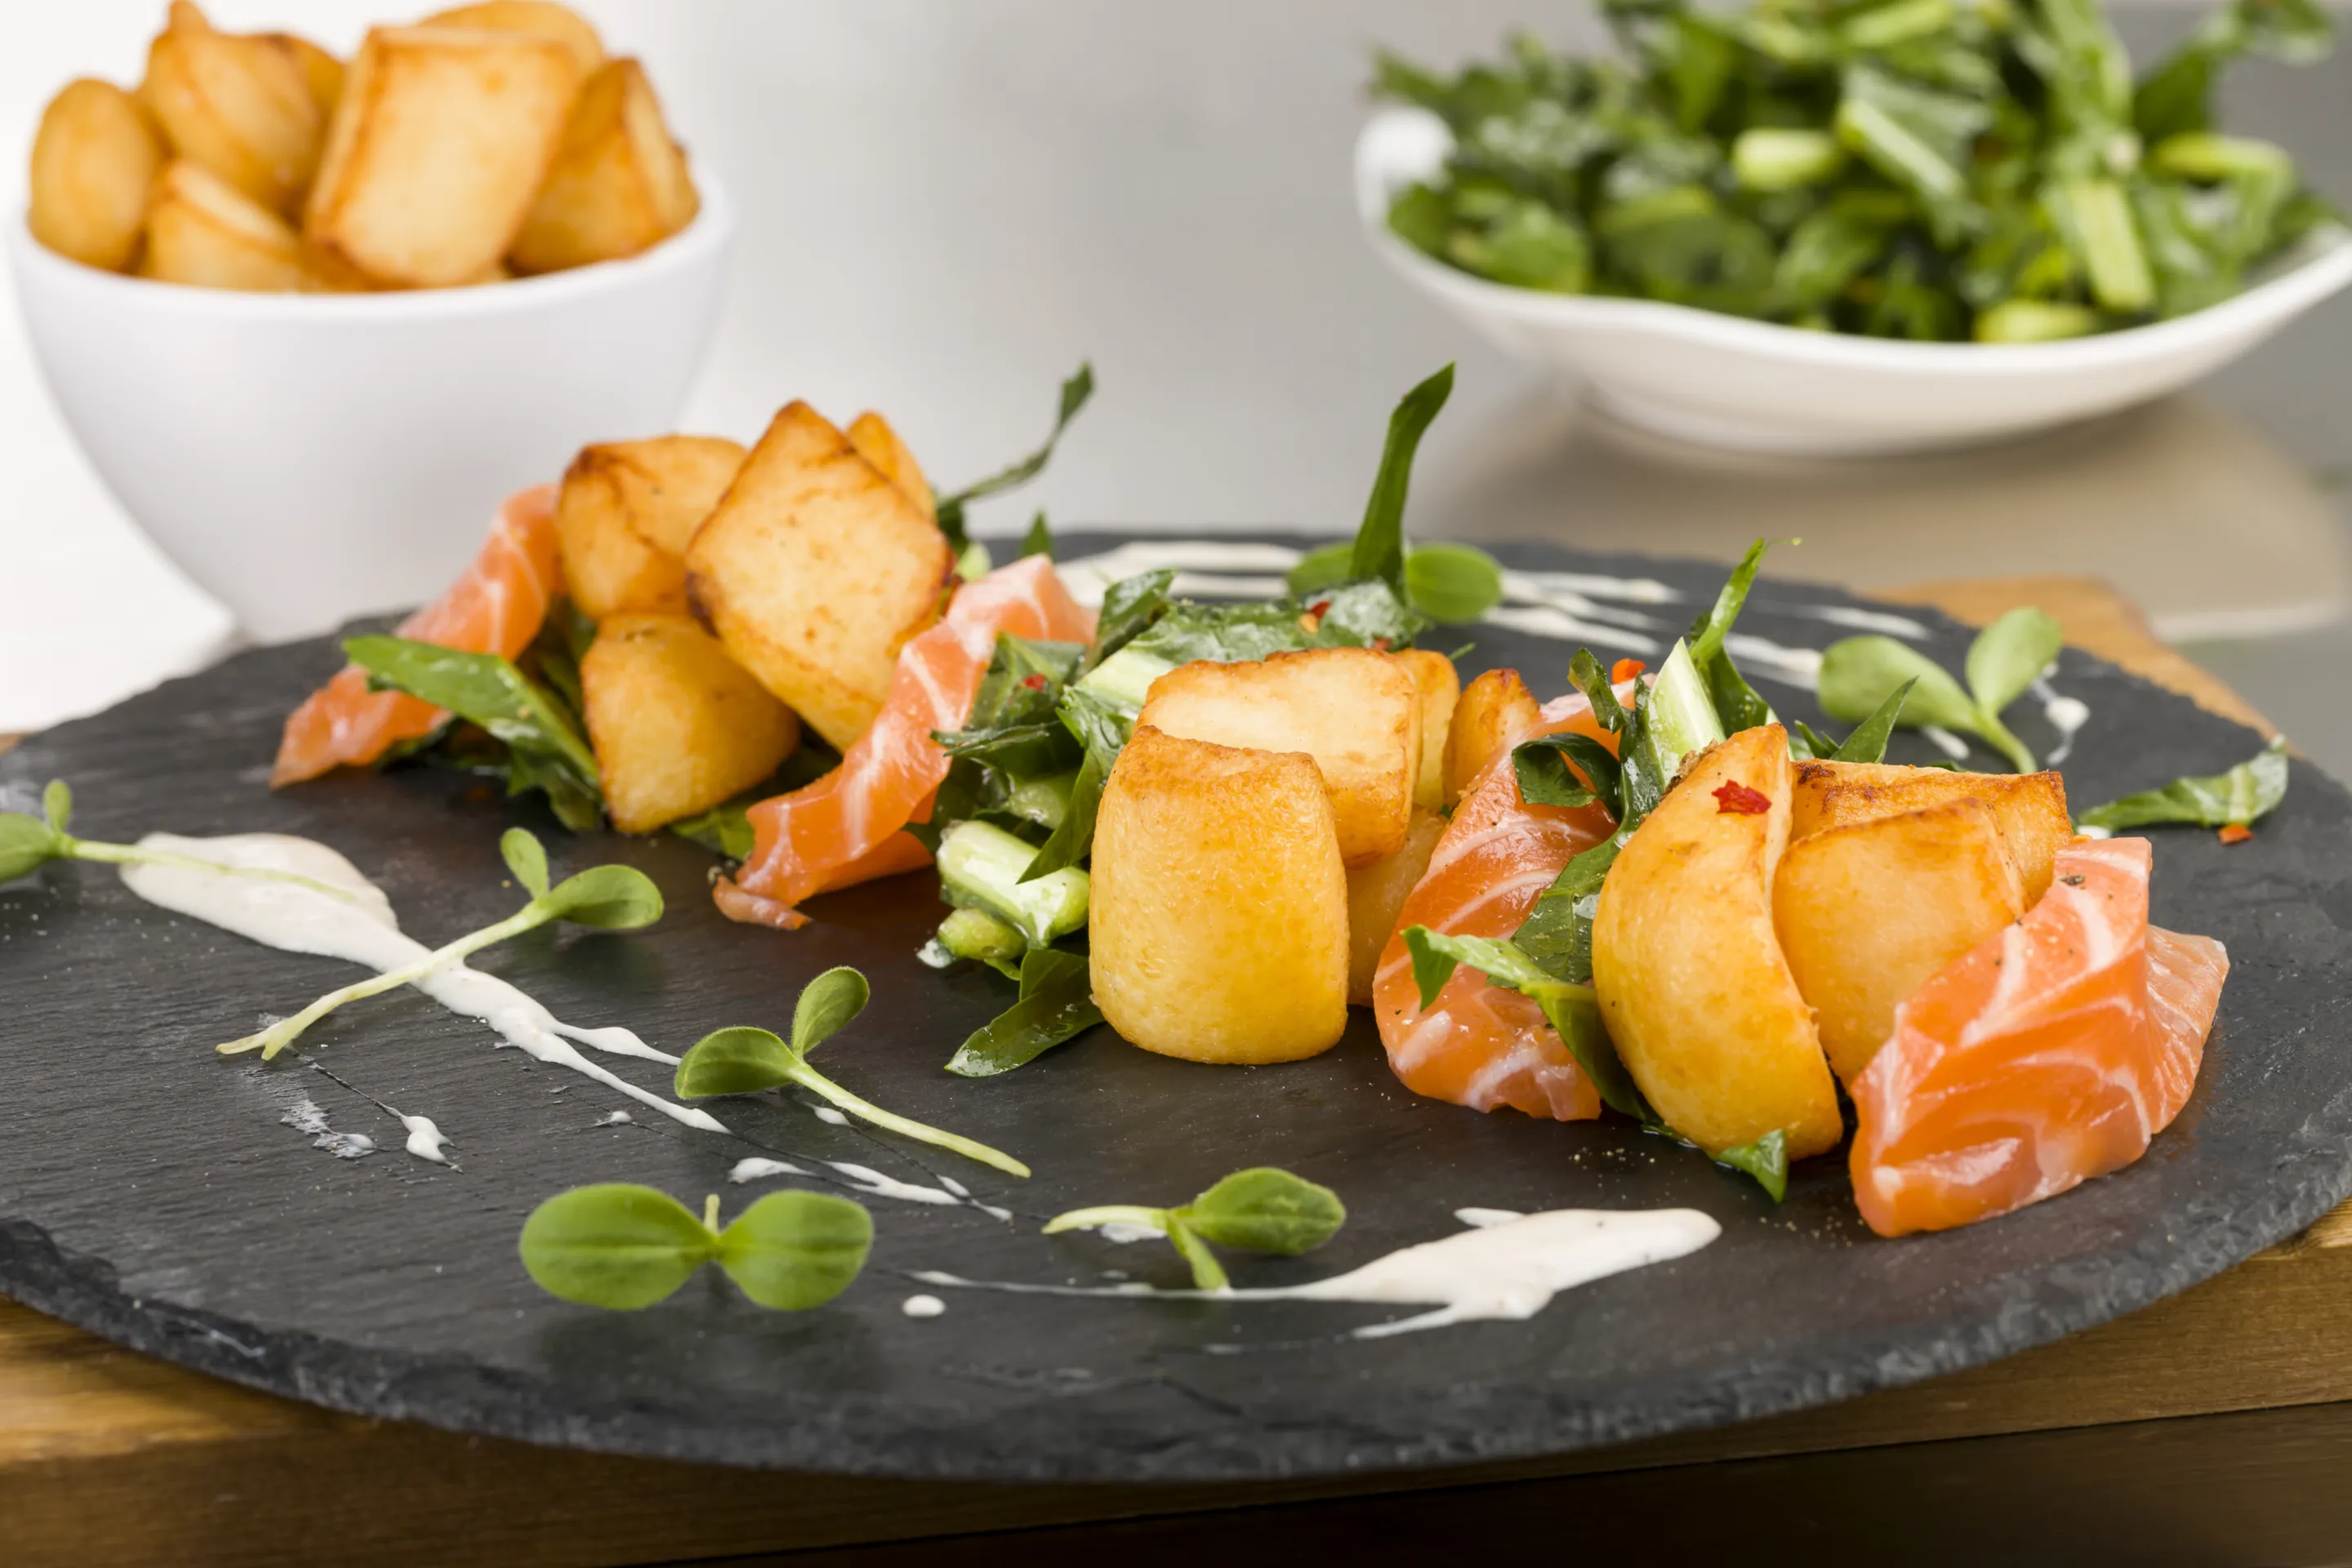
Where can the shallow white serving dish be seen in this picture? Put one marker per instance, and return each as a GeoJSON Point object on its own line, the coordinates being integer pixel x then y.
{"type": "Point", "coordinates": [307, 457]}
{"type": "Point", "coordinates": [1728, 382]}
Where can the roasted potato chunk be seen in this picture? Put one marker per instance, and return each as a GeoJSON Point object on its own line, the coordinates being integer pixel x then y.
{"type": "Point", "coordinates": [1868, 910]}
{"type": "Point", "coordinates": [619, 184]}
{"type": "Point", "coordinates": [1353, 709]}
{"type": "Point", "coordinates": [1440, 688]}
{"type": "Point", "coordinates": [241, 106]}
{"type": "Point", "coordinates": [2030, 809]}
{"type": "Point", "coordinates": [1376, 895]}
{"type": "Point", "coordinates": [1691, 983]}
{"type": "Point", "coordinates": [543, 18]}
{"type": "Point", "coordinates": [1219, 925]}
{"type": "Point", "coordinates": [436, 151]}
{"type": "Point", "coordinates": [627, 511]}
{"type": "Point", "coordinates": [322, 73]}
{"type": "Point", "coordinates": [95, 159]}
{"type": "Point", "coordinates": [880, 445]}
{"type": "Point", "coordinates": [814, 571]}
{"type": "Point", "coordinates": [1492, 713]}
{"type": "Point", "coordinates": [679, 727]}
{"type": "Point", "coordinates": [204, 231]}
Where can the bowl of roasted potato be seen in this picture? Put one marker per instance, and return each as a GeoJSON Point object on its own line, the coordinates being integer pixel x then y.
{"type": "Point", "coordinates": [311, 317]}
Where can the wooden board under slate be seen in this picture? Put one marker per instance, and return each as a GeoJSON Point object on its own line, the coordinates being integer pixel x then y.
{"type": "Point", "coordinates": [149, 1192]}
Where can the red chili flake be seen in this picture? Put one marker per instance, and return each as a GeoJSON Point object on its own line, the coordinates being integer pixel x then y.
{"type": "Point", "coordinates": [1319, 607]}
{"type": "Point", "coordinates": [2236, 833]}
{"type": "Point", "coordinates": [1736, 799]}
{"type": "Point", "coordinates": [1379, 645]}
{"type": "Point", "coordinates": [1034, 682]}
{"type": "Point", "coordinates": [1625, 669]}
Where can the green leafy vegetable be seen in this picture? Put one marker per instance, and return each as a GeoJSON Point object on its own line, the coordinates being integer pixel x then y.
{"type": "Point", "coordinates": [2238, 798]}
{"type": "Point", "coordinates": [1380, 539]}
{"type": "Point", "coordinates": [625, 1248]}
{"type": "Point", "coordinates": [1767, 1160]}
{"type": "Point", "coordinates": [1860, 675]}
{"type": "Point", "coordinates": [1571, 1009]}
{"type": "Point", "coordinates": [607, 898]}
{"type": "Point", "coordinates": [1257, 1210]}
{"type": "Point", "coordinates": [747, 1061]}
{"type": "Point", "coordinates": [1451, 583]}
{"type": "Point", "coordinates": [1057, 1004]}
{"type": "Point", "coordinates": [545, 748]}
{"type": "Point", "coordinates": [1915, 169]}
{"type": "Point", "coordinates": [1039, 540]}
{"type": "Point", "coordinates": [952, 508]}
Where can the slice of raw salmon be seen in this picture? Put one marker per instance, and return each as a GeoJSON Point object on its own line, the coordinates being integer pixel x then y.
{"type": "Point", "coordinates": [496, 606]}
{"type": "Point", "coordinates": [1478, 1045]}
{"type": "Point", "coordinates": [2051, 1053]}
{"type": "Point", "coordinates": [849, 825]}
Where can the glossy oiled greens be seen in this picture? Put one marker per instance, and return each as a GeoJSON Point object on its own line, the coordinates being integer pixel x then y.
{"type": "Point", "coordinates": [1923, 168]}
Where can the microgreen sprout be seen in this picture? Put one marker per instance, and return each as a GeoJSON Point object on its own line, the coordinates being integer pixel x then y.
{"type": "Point", "coordinates": [1258, 1210]}
{"type": "Point", "coordinates": [746, 1060]}
{"type": "Point", "coordinates": [624, 1247]}
{"type": "Point", "coordinates": [608, 897]}
{"type": "Point", "coordinates": [28, 843]}
{"type": "Point", "coordinates": [1860, 673]}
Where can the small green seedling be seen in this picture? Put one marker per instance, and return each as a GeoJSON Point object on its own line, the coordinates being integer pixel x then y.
{"type": "Point", "coordinates": [1258, 1210]}
{"type": "Point", "coordinates": [623, 1247]}
{"type": "Point", "coordinates": [28, 843]}
{"type": "Point", "coordinates": [1859, 675]}
{"type": "Point", "coordinates": [607, 897]}
{"type": "Point", "coordinates": [748, 1060]}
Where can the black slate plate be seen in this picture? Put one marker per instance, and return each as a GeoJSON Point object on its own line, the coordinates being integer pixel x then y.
{"type": "Point", "coordinates": [150, 1192]}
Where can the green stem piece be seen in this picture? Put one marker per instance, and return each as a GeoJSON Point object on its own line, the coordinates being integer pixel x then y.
{"type": "Point", "coordinates": [1996, 735]}
{"type": "Point", "coordinates": [136, 855]}
{"type": "Point", "coordinates": [1108, 1213]}
{"type": "Point", "coordinates": [808, 1078]}
{"type": "Point", "coordinates": [286, 1031]}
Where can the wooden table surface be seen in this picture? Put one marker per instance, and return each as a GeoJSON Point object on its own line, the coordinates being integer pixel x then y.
{"type": "Point", "coordinates": [2215, 1427]}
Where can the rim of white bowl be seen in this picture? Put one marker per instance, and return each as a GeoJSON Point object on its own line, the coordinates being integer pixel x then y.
{"type": "Point", "coordinates": [713, 227]}
{"type": "Point", "coordinates": [1394, 146]}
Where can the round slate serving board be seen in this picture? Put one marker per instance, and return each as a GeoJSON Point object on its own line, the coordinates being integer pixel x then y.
{"type": "Point", "coordinates": [150, 1191]}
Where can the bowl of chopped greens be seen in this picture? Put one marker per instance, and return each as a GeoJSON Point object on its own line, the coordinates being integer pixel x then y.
{"type": "Point", "coordinates": [1852, 229]}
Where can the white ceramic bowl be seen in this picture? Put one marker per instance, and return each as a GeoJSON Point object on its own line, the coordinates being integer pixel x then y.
{"type": "Point", "coordinates": [311, 457]}
{"type": "Point", "coordinates": [1728, 382]}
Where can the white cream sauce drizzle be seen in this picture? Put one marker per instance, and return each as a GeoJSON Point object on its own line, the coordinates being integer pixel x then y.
{"type": "Point", "coordinates": [922, 1305]}
{"type": "Point", "coordinates": [751, 1170]}
{"type": "Point", "coordinates": [617, 1119]}
{"type": "Point", "coordinates": [1499, 1269]}
{"type": "Point", "coordinates": [827, 1113]}
{"type": "Point", "coordinates": [364, 929]}
{"type": "Point", "coordinates": [1127, 1231]}
{"type": "Point", "coordinates": [1790, 665]}
{"type": "Point", "coordinates": [871, 1182]}
{"type": "Point", "coordinates": [2067, 715]}
{"type": "Point", "coordinates": [1951, 745]}
{"type": "Point", "coordinates": [1859, 619]}
{"type": "Point", "coordinates": [425, 1141]}
{"type": "Point", "coordinates": [305, 1117]}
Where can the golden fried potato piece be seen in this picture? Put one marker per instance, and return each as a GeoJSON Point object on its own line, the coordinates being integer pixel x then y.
{"type": "Point", "coordinates": [814, 571]}
{"type": "Point", "coordinates": [1353, 709]}
{"type": "Point", "coordinates": [322, 73]}
{"type": "Point", "coordinates": [1219, 916]}
{"type": "Point", "coordinates": [1440, 688]}
{"type": "Point", "coordinates": [2029, 808]}
{"type": "Point", "coordinates": [619, 184]}
{"type": "Point", "coordinates": [1691, 983]}
{"type": "Point", "coordinates": [543, 18]}
{"type": "Point", "coordinates": [1867, 911]}
{"type": "Point", "coordinates": [437, 150]}
{"type": "Point", "coordinates": [627, 511]}
{"type": "Point", "coordinates": [881, 445]}
{"type": "Point", "coordinates": [202, 230]}
{"type": "Point", "coordinates": [679, 727]}
{"type": "Point", "coordinates": [241, 106]}
{"type": "Point", "coordinates": [95, 159]}
{"type": "Point", "coordinates": [1494, 710]}
{"type": "Point", "coordinates": [1376, 895]}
